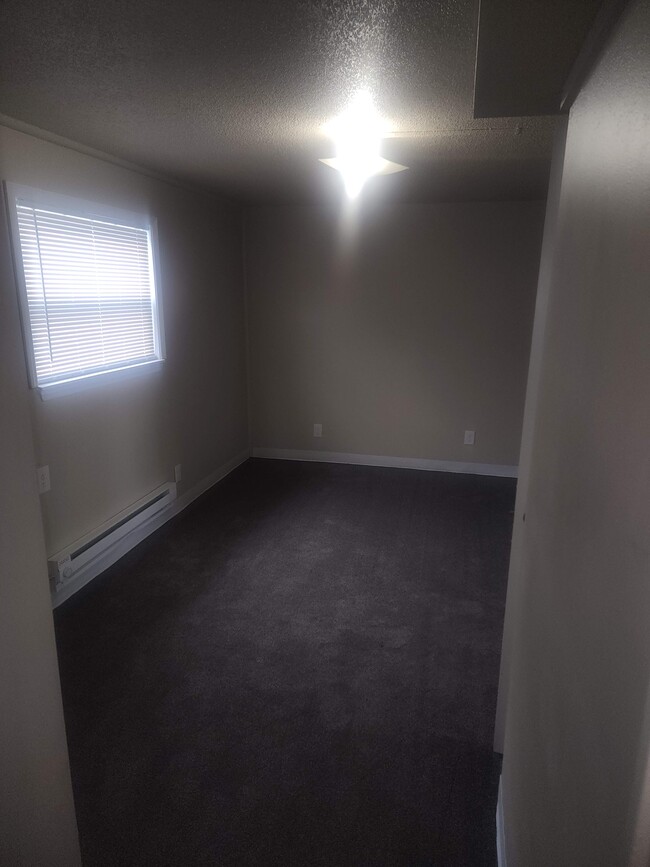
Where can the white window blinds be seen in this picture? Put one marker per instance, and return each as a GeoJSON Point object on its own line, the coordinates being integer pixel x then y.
{"type": "Point", "coordinates": [90, 293]}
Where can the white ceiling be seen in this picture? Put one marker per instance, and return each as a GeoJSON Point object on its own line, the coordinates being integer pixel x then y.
{"type": "Point", "coordinates": [232, 94]}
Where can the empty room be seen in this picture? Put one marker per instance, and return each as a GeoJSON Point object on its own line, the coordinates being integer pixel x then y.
{"type": "Point", "coordinates": [325, 424]}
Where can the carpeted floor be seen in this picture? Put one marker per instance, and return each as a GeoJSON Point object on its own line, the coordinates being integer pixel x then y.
{"type": "Point", "coordinates": [301, 669]}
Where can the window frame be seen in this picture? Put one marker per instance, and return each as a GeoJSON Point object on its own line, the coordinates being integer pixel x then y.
{"type": "Point", "coordinates": [75, 207]}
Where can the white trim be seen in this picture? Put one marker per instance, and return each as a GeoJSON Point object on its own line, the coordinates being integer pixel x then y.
{"type": "Point", "coordinates": [124, 545]}
{"type": "Point", "coordinates": [383, 461]}
{"type": "Point", "coordinates": [19, 278]}
{"type": "Point", "coordinates": [502, 860]}
{"type": "Point", "coordinates": [102, 377]}
{"type": "Point", "coordinates": [157, 293]}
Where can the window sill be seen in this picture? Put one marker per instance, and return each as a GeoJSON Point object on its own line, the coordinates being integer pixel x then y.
{"type": "Point", "coordinates": [92, 380]}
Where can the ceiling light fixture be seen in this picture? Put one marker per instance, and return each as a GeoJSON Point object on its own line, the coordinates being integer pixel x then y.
{"type": "Point", "coordinates": [357, 135]}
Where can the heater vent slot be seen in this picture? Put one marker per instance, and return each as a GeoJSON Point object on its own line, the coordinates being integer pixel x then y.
{"type": "Point", "coordinates": [64, 565]}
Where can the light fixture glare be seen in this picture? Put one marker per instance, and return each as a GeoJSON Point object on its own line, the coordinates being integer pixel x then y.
{"type": "Point", "coordinates": [357, 135]}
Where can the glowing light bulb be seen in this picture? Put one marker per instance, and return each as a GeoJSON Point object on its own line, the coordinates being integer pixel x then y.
{"type": "Point", "coordinates": [357, 135]}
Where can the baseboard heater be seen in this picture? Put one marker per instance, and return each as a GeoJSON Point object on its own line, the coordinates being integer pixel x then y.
{"type": "Point", "coordinates": [66, 564]}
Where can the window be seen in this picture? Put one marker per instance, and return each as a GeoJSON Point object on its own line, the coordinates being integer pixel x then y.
{"type": "Point", "coordinates": [87, 288]}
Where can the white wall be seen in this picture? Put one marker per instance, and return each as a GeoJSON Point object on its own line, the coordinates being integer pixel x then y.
{"type": "Point", "coordinates": [397, 332]}
{"type": "Point", "coordinates": [108, 447]}
{"type": "Point", "coordinates": [575, 773]}
{"type": "Point", "coordinates": [37, 821]}
{"type": "Point", "coordinates": [530, 417]}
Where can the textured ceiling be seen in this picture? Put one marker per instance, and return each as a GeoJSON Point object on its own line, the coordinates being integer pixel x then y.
{"type": "Point", "coordinates": [232, 94]}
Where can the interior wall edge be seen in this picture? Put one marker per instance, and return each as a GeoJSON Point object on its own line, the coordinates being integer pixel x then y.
{"type": "Point", "coordinates": [247, 330]}
{"type": "Point", "coordinates": [502, 857]}
{"type": "Point", "coordinates": [593, 47]}
{"type": "Point", "coordinates": [549, 242]}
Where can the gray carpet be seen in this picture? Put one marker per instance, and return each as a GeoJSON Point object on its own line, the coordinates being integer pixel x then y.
{"type": "Point", "coordinates": [301, 669]}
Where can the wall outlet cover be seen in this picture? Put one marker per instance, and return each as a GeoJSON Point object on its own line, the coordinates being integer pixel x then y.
{"type": "Point", "coordinates": [178, 473]}
{"type": "Point", "coordinates": [318, 430]}
{"type": "Point", "coordinates": [469, 437]}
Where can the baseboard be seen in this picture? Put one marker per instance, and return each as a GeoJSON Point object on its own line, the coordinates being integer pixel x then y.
{"type": "Point", "coordinates": [502, 860]}
{"type": "Point", "coordinates": [383, 461]}
{"type": "Point", "coordinates": [123, 546]}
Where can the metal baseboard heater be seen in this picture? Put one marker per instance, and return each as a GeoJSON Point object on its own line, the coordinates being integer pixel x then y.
{"type": "Point", "coordinates": [67, 563]}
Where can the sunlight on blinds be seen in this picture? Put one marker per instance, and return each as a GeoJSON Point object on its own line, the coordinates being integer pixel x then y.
{"type": "Point", "coordinates": [90, 293]}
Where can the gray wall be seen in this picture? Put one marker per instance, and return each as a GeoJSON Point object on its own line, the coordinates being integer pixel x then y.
{"type": "Point", "coordinates": [397, 330]}
{"type": "Point", "coordinates": [108, 447]}
{"type": "Point", "coordinates": [575, 774]}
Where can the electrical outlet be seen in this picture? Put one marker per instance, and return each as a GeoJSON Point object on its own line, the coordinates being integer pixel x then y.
{"type": "Point", "coordinates": [318, 430]}
{"type": "Point", "coordinates": [469, 437]}
{"type": "Point", "coordinates": [43, 478]}
{"type": "Point", "coordinates": [178, 473]}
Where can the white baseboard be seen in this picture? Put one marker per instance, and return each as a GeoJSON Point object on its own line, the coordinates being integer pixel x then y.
{"type": "Point", "coordinates": [382, 461]}
{"type": "Point", "coordinates": [502, 860]}
{"type": "Point", "coordinates": [124, 545]}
